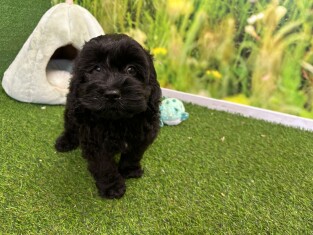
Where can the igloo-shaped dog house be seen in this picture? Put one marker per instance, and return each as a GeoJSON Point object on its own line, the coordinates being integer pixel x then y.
{"type": "Point", "coordinates": [40, 72]}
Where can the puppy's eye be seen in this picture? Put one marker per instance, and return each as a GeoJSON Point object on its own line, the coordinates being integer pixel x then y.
{"type": "Point", "coordinates": [131, 70]}
{"type": "Point", "coordinates": [97, 68]}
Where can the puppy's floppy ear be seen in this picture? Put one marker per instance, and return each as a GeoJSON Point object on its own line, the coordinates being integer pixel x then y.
{"type": "Point", "coordinates": [155, 94]}
{"type": "Point", "coordinates": [80, 68]}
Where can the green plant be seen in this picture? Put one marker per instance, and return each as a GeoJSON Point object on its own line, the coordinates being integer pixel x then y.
{"type": "Point", "coordinates": [256, 46]}
{"type": "Point", "coordinates": [270, 52]}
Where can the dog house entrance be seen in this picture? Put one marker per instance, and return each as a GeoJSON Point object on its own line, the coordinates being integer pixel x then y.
{"type": "Point", "coordinates": [60, 65]}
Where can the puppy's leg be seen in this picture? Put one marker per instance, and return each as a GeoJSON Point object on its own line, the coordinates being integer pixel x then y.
{"type": "Point", "coordinates": [68, 140]}
{"type": "Point", "coordinates": [103, 168]}
{"type": "Point", "coordinates": [129, 165]}
{"type": "Point", "coordinates": [109, 182]}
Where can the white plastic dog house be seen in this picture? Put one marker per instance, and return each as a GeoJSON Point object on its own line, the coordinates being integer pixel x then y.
{"type": "Point", "coordinates": [40, 72]}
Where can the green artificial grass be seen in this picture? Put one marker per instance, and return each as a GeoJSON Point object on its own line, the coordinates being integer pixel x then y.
{"type": "Point", "coordinates": [216, 173]}
{"type": "Point", "coordinates": [17, 21]}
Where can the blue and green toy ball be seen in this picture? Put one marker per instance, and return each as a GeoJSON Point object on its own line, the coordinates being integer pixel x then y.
{"type": "Point", "coordinates": [172, 112]}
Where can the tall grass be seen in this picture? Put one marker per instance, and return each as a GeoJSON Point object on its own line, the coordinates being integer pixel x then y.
{"type": "Point", "coordinates": [257, 52]}
{"type": "Point", "coordinates": [278, 45]}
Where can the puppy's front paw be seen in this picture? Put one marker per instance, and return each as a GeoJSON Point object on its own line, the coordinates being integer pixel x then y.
{"type": "Point", "coordinates": [65, 143]}
{"type": "Point", "coordinates": [131, 172]}
{"type": "Point", "coordinates": [115, 190]}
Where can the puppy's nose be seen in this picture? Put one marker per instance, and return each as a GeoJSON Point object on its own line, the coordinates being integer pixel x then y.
{"type": "Point", "coordinates": [112, 94]}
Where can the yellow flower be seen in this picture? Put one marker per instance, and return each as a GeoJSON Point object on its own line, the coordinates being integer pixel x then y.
{"type": "Point", "coordinates": [159, 51]}
{"type": "Point", "coordinates": [239, 98]}
{"type": "Point", "coordinates": [214, 73]}
{"type": "Point", "coordinates": [179, 7]}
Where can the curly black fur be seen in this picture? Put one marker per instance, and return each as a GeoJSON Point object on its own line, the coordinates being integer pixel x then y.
{"type": "Point", "coordinates": [112, 107]}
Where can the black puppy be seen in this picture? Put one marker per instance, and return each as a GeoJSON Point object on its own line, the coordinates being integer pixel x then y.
{"type": "Point", "coordinates": [112, 107]}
